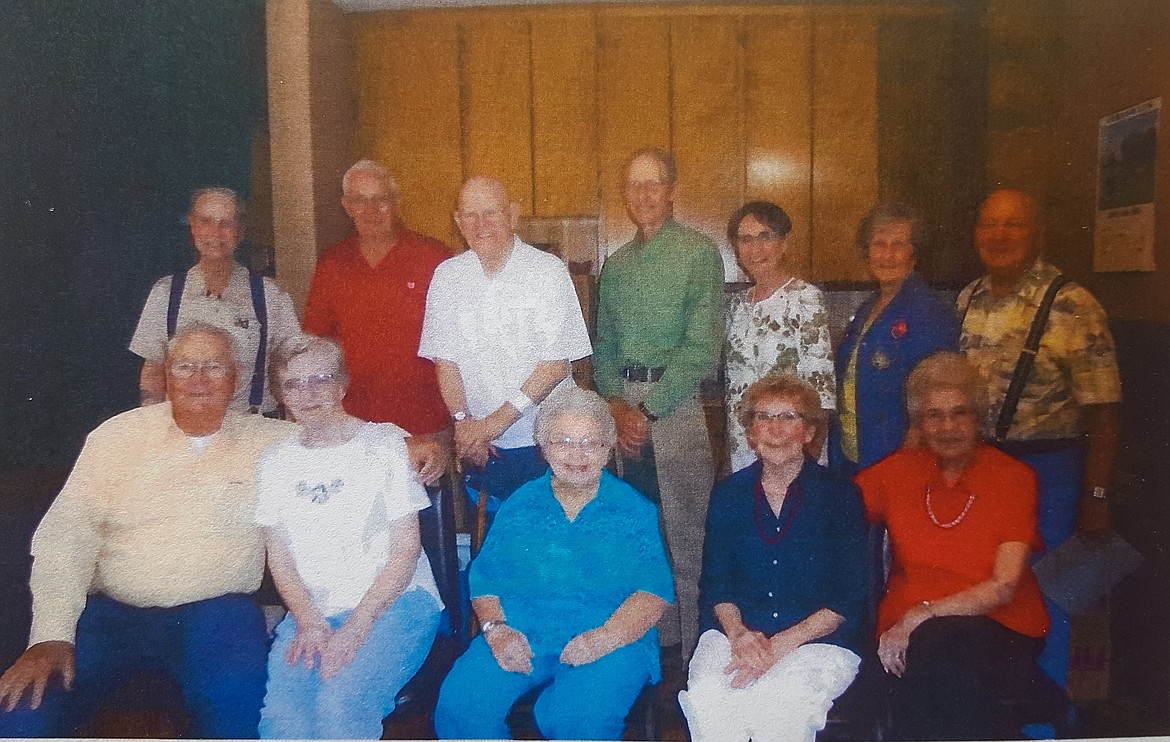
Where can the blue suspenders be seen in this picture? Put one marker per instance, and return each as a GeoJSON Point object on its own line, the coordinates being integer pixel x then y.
{"type": "Point", "coordinates": [256, 284]}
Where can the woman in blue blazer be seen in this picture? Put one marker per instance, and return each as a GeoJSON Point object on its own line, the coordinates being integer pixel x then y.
{"type": "Point", "coordinates": [904, 321]}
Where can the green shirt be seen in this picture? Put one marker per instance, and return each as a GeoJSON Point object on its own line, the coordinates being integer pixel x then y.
{"type": "Point", "coordinates": [660, 307]}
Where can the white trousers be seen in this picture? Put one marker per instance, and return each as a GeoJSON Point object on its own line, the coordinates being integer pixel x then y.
{"type": "Point", "coordinates": [789, 703]}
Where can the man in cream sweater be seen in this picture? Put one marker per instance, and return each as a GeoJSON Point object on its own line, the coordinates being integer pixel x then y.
{"type": "Point", "coordinates": [148, 558]}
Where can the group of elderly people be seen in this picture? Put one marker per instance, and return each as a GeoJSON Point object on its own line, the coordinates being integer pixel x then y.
{"type": "Point", "coordinates": [600, 550]}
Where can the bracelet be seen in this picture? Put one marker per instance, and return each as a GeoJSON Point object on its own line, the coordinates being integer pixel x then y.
{"type": "Point", "coordinates": [521, 401]}
{"type": "Point", "coordinates": [488, 627]}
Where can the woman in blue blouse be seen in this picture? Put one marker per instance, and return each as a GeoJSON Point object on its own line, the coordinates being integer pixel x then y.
{"type": "Point", "coordinates": [783, 585]}
{"type": "Point", "coordinates": [569, 584]}
{"type": "Point", "coordinates": [904, 321]}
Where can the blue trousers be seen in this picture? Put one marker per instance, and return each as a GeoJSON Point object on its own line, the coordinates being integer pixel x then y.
{"type": "Point", "coordinates": [586, 702]}
{"type": "Point", "coordinates": [350, 705]}
{"type": "Point", "coordinates": [503, 474]}
{"type": "Point", "coordinates": [1061, 480]}
{"type": "Point", "coordinates": [214, 648]}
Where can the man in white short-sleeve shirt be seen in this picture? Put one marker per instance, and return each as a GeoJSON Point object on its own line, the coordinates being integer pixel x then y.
{"type": "Point", "coordinates": [502, 325]}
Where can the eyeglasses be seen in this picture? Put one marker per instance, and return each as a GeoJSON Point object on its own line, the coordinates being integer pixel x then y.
{"type": "Point", "coordinates": [364, 202]}
{"type": "Point", "coordinates": [958, 415]}
{"type": "Point", "coordinates": [187, 369]}
{"type": "Point", "coordinates": [747, 240]}
{"type": "Point", "coordinates": [1012, 224]}
{"type": "Point", "coordinates": [585, 445]}
{"type": "Point", "coordinates": [644, 185]}
{"type": "Point", "coordinates": [781, 416]}
{"type": "Point", "coordinates": [312, 382]}
{"type": "Point", "coordinates": [207, 222]}
{"type": "Point", "coordinates": [491, 215]}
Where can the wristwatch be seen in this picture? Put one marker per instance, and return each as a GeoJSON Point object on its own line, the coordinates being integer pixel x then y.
{"type": "Point", "coordinates": [459, 416]}
{"type": "Point", "coordinates": [1098, 493]}
{"type": "Point", "coordinates": [488, 627]}
{"type": "Point", "coordinates": [646, 411]}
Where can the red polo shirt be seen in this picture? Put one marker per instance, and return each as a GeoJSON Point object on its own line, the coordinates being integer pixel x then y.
{"type": "Point", "coordinates": [376, 314]}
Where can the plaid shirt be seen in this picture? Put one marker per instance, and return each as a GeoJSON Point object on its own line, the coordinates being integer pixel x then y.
{"type": "Point", "coordinates": [1076, 364]}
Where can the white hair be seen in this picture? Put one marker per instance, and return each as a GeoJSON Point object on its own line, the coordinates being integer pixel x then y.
{"type": "Point", "coordinates": [369, 166]}
{"type": "Point", "coordinates": [221, 192]}
{"type": "Point", "coordinates": [203, 328]}
{"type": "Point", "coordinates": [573, 400]}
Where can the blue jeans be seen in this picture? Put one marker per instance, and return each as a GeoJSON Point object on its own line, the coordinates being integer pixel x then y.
{"type": "Point", "coordinates": [214, 648]}
{"type": "Point", "coordinates": [1061, 477]}
{"type": "Point", "coordinates": [351, 705]}
{"type": "Point", "coordinates": [586, 702]}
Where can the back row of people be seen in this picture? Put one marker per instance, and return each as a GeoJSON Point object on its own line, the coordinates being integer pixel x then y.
{"type": "Point", "coordinates": [506, 325]}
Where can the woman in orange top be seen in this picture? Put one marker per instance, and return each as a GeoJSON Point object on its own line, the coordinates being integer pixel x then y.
{"type": "Point", "coordinates": [962, 621]}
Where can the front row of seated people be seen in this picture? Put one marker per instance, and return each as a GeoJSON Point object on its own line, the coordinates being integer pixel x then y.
{"type": "Point", "coordinates": [568, 587]}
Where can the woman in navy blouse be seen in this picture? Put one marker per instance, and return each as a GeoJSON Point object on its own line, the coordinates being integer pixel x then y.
{"type": "Point", "coordinates": [904, 321]}
{"type": "Point", "coordinates": [783, 585]}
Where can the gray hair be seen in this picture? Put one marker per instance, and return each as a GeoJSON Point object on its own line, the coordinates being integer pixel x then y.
{"type": "Point", "coordinates": [369, 166]}
{"type": "Point", "coordinates": [222, 192]}
{"type": "Point", "coordinates": [203, 328]}
{"type": "Point", "coordinates": [574, 400]}
{"type": "Point", "coordinates": [892, 212]}
{"type": "Point", "coordinates": [298, 345]}
{"type": "Point", "coordinates": [664, 158]}
{"type": "Point", "coordinates": [946, 370]}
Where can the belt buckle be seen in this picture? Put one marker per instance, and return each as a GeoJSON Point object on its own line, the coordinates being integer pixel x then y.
{"type": "Point", "coordinates": [636, 372]}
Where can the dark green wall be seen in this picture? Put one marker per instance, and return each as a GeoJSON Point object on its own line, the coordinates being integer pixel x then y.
{"type": "Point", "coordinates": [110, 114]}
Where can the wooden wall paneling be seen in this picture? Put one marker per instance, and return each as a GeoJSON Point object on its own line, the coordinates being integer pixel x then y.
{"type": "Point", "coordinates": [408, 112]}
{"type": "Point", "coordinates": [634, 106]}
{"type": "Point", "coordinates": [564, 113]}
{"type": "Point", "coordinates": [707, 111]}
{"type": "Point", "coordinates": [497, 95]}
{"type": "Point", "coordinates": [916, 132]}
{"type": "Point", "coordinates": [844, 182]}
{"type": "Point", "coordinates": [777, 123]}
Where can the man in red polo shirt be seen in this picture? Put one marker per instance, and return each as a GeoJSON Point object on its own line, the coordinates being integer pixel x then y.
{"type": "Point", "coordinates": [369, 292]}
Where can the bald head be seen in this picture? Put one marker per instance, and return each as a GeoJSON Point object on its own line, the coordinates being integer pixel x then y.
{"type": "Point", "coordinates": [486, 218]}
{"type": "Point", "coordinates": [1009, 234]}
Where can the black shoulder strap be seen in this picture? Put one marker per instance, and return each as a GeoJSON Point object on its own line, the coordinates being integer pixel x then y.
{"type": "Point", "coordinates": [178, 281]}
{"type": "Point", "coordinates": [256, 395]}
{"type": "Point", "coordinates": [1011, 400]}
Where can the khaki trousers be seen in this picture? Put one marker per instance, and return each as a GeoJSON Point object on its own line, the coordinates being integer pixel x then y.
{"type": "Point", "coordinates": [676, 470]}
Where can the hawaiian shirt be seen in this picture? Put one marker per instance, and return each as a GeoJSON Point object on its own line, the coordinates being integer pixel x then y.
{"type": "Point", "coordinates": [1076, 364]}
{"type": "Point", "coordinates": [786, 333]}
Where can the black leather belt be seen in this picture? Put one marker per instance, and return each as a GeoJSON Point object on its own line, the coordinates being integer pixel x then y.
{"type": "Point", "coordinates": [642, 373]}
{"type": "Point", "coordinates": [1042, 445]}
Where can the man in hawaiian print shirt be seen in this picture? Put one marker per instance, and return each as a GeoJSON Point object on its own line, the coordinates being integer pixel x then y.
{"type": "Point", "coordinates": [1066, 423]}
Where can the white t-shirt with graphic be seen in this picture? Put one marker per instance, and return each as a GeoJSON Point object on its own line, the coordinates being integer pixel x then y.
{"type": "Point", "coordinates": [497, 329]}
{"type": "Point", "coordinates": [335, 506]}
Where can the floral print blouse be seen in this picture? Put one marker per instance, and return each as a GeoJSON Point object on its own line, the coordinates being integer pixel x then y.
{"type": "Point", "coordinates": [786, 333]}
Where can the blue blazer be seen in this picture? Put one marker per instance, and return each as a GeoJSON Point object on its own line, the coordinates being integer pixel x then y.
{"type": "Point", "coordinates": [916, 323]}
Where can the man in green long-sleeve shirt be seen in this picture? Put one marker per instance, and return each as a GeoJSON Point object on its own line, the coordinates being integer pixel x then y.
{"type": "Point", "coordinates": [658, 337]}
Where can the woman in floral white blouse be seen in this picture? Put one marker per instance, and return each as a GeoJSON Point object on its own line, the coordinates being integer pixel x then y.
{"type": "Point", "coordinates": [779, 325]}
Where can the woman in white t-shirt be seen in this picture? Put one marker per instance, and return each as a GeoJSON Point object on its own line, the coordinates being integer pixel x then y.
{"type": "Point", "coordinates": [339, 504]}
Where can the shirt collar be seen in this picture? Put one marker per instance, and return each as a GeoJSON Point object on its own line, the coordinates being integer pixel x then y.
{"type": "Point", "coordinates": [668, 227]}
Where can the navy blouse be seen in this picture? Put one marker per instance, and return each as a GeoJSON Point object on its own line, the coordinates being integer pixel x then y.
{"type": "Point", "coordinates": [780, 570]}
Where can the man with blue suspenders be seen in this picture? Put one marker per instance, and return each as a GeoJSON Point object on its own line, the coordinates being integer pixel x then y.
{"type": "Point", "coordinates": [222, 293]}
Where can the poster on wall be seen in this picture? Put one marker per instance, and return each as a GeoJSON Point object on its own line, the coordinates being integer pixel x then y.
{"type": "Point", "coordinates": [1126, 145]}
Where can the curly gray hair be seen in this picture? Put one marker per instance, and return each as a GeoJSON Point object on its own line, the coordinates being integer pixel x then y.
{"type": "Point", "coordinates": [575, 401]}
